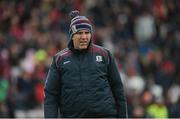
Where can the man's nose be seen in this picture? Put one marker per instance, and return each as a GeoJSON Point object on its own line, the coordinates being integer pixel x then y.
{"type": "Point", "coordinates": [83, 36]}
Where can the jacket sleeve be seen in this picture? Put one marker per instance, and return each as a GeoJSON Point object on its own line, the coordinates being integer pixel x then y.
{"type": "Point", "coordinates": [51, 90]}
{"type": "Point", "coordinates": [117, 88]}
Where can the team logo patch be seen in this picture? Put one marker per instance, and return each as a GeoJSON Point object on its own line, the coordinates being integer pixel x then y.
{"type": "Point", "coordinates": [66, 62]}
{"type": "Point", "coordinates": [74, 30]}
{"type": "Point", "coordinates": [99, 58]}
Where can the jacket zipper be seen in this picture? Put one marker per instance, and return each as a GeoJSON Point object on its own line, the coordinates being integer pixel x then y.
{"type": "Point", "coordinates": [83, 86]}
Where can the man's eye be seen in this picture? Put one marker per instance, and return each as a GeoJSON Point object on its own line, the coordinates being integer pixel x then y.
{"type": "Point", "coordinates": [79, 33]}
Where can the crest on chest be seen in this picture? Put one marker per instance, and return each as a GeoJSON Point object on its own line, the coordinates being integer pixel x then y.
{"type": "Point", "coordinates": [99, 58]}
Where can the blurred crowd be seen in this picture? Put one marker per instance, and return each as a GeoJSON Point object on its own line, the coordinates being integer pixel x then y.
{"type": "Point", "coordinates": [143, 35]}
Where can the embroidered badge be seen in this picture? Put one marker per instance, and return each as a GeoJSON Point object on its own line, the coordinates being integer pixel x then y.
{"type": "Point", "coordinates": [74, 29]}
{"type": "Point", "coordinates": [99, 58]}
{"type": "Point", "coordinates": [66, 62]}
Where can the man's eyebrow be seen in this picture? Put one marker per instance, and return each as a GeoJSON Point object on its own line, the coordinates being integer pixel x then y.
{"type": "Point", "coordinates": [83, 31]}
{"type": "Point", "coordinates": [79, 32]}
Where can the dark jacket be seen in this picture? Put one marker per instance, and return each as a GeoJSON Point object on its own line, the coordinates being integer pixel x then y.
{"type": "Point", "coordinates": [84, 84]}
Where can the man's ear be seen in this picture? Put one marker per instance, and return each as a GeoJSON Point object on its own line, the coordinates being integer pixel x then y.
{"type": "Point", "coordinates": [72, 38]}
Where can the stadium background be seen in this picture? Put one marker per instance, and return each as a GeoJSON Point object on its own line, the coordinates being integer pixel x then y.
{"type": "Point", "coordinates": [143, 35]}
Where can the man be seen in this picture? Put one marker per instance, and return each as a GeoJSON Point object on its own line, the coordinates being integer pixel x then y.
{"type": "Point", "coordinates": [83, 80]}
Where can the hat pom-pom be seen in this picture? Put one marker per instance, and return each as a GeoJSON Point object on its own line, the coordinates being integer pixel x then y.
{"type": "Point", "coordinates": [73, 14]}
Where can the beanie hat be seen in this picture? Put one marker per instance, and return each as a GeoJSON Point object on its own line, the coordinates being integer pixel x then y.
{"type": "Point", "coordinates": [78, 23]}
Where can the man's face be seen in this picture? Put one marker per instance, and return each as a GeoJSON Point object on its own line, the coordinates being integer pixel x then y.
{"type": "Point", "coordinates": [81, 39]}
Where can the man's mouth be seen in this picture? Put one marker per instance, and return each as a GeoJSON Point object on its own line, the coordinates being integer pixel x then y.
{"type": "Point", "coordinates": [83, 43]}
